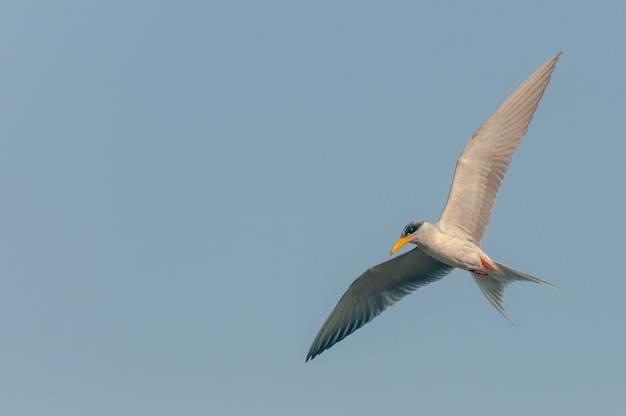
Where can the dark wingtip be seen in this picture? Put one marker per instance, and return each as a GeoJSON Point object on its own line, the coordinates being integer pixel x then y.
{"type": "Point", "coordinates": [311, 355]}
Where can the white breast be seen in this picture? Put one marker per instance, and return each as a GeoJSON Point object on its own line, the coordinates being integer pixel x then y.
{"type": "Point", "coordinates": [449, 249]}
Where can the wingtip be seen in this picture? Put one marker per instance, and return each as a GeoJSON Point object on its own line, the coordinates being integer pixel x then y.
{"type": "Point", "coordinates": [554, 60]}
{"type": "Point", "coordinates": [313, 352]}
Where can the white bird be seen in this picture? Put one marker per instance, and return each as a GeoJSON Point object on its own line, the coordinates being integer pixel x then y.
{"type": "Point", "coordinates": [455, 240]}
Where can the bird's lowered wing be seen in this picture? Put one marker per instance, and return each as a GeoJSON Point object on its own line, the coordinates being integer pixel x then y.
{"type": "Point", "coordinates": [485, 159]}
{"type": "Point", "coordinates": [376, 289]}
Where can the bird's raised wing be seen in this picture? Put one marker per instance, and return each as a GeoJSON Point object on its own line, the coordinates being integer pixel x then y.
{"type": "Point", "coordinates": [376, 289]}
{"type": "Point", "coordinates": [485, 159]}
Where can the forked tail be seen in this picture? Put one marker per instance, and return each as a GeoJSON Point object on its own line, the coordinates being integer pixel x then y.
{"type": "Point", "coordinates": [493, 284]}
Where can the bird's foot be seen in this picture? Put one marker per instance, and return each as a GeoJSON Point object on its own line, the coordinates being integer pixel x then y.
{"type": "Point", "coordinates": [485, 263]}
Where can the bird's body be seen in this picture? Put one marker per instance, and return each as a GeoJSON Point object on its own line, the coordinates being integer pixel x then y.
{"type": "Point", "coordinates": [455, 240]}
{"type": "Point", "coordinates": [449, 248]}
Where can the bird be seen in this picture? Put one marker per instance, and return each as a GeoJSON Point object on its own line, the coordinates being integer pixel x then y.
{"type": "Point", "coordinates": [454, 241]}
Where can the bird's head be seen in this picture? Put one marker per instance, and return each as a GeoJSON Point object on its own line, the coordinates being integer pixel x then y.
{"type": "Point", "coordinates": [407, 234]}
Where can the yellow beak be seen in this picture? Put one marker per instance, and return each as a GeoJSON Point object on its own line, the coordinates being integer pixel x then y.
{"type": "Point", "coordinates": [402, 241]}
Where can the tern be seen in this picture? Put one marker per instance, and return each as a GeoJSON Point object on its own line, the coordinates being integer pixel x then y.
{"type": "Point", "coordinates": [455, 240]}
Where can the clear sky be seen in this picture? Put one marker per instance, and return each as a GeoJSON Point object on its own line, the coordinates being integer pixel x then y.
{"type": "Point", "coordinates": [187, 188]}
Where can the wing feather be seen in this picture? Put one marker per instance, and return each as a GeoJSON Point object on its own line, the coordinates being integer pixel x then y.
{"type": "Point", "coordinates": [373, 292]}
{"type": "Point", "coordinates": [486, 157]}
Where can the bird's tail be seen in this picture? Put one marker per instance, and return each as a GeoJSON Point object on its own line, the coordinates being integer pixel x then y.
{"type": "Point", "coordinates": [493, 284]}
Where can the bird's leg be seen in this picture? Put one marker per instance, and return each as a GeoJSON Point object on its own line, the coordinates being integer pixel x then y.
{"type": "Point", "coordinates": [480, 272]}
{"type": "Point", "coordinates": [484, 262]}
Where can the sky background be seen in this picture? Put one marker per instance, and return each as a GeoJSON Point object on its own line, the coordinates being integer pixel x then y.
{"type": "Point", "coordinates": [187, 188]}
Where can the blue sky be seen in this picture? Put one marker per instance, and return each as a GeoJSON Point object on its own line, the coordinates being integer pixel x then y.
{"type": "Point", "coordinates": [189, 187]}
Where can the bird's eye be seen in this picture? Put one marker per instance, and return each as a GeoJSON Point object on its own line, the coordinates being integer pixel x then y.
{"type": "Point", "coordinates": [410, 229]}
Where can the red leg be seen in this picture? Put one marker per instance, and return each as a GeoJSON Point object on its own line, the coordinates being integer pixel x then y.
{"type": "Point", "coordinates": [484, 262]}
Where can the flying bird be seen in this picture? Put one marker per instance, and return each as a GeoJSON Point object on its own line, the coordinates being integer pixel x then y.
{"type": "Point", "coordinates": [454, 240]}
